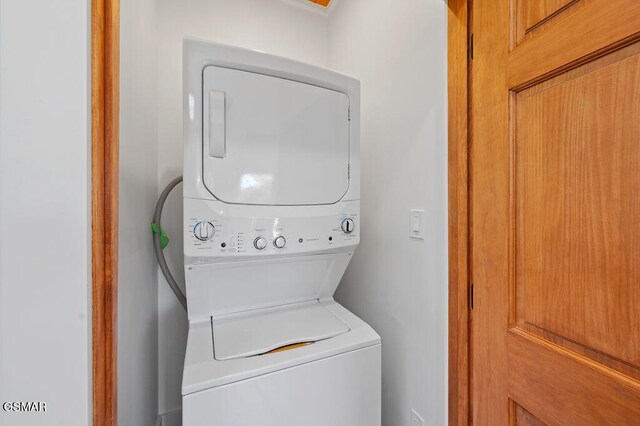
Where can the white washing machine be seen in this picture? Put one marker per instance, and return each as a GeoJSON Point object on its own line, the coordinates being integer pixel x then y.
{"type": "Point", "coordinates": [271, 220]}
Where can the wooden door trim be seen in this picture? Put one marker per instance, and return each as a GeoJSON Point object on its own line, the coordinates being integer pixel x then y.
{"type": "Point", "coordinates": [105, 53]}
{"type": "Point", "coordinates": [458, 135]}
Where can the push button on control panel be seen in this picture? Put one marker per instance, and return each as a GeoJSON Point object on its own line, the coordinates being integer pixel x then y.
{"type": "Point", "coordinates": [280, 242]}
{"type": "Point", "coordinates": [347, 225]}
{"type": "Point", "coordinates": [260, 243]}
{"type": "Point", "coordinates": [204, 230]}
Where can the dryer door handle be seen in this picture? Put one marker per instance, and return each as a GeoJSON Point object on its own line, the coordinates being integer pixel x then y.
{"type": "Point", "coordinates": [216, 122]}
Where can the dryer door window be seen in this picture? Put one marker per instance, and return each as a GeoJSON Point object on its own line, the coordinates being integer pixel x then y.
{"type": "Point", "coordinates": [272, 141]}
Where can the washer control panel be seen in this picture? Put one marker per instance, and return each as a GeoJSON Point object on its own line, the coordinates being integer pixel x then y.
{"type": "Point", "coordinates": [213, 229]}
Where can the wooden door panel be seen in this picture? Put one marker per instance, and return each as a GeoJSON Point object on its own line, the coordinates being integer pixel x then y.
{"type": "Point", "coordinates": [555, 212]}
{"type": "Point", "coordinates": [531, 15]}
{"type": "Point", "coordinates": [563, 388]}
{"type": "Point", "coordinates": [577, 189]}
{"type": "Point", "coordinates": [595, 27]}
{"type": "Point", "coordinates": [522, 417]}
{"type": "Point", "coordinates": [489, 186]}
{"type": "Point", "coordinates": [535, 13]}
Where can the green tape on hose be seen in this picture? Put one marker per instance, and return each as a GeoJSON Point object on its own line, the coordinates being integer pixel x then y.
{"type": "Point", "coordinates": [164, 238]}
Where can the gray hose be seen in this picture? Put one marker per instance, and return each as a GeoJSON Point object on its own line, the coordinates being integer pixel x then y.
{"type": "Point", "coordinates": [157, 245]}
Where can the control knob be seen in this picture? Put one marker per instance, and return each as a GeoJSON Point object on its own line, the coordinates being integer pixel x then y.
{"type": "Point", "coordinates": [347, 225]}
{"type": "Point", "coordinates": [260, 243]}
{"type": "Point", "coordinates": [279, 242]}
{"type": "Point", "coordinates": [204, 230]}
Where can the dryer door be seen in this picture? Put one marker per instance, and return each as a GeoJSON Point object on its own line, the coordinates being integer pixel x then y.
{"type": "Point", "coordinates": [272, 141]}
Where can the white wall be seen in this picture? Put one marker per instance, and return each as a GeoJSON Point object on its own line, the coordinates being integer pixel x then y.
{"type": "Point", "coordinates": [138, 282]}
{"type": "Point", "coordinates": [399, 286]}
{"type": "Point", "coordinates": [45, 316]}
{"type": "Point", "coordinates": [279, 27]}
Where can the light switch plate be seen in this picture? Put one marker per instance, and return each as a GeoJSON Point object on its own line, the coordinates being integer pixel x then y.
{"type": "Point", "coordinates": [416, 420]}
{"type": "Point", "coordinates": [416, 224]}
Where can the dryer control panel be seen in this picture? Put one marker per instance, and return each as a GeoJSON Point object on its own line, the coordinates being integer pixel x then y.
{"type": "Point", "coordinates": [218, 230]}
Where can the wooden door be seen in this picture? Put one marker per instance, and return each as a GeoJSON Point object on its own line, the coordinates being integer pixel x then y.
{"type": "Point", "coordinates": [555, 212]}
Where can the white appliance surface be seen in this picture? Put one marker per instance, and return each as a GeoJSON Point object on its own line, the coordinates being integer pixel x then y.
{"type": "Point", "coordinates": [273, 141]}
{"type": "Point", "coordinates": [280, 84]}
{"type": "Point", "coordinates": [230, 287]}
{"type": "Point", "coordinates": [336, 381]}
{"type": "Point", "coordinates": [256, 334]}
{"type": "Point", "coordinates": [202, 371]}
{"type": "Point", "coordinates": [271, 179]}
{"type": "Point", "coordinates": [341, 390]}
{"type": "Point", "coordinates": [271, 219]}
{"type": "Point", "coordinates": [305, 229]}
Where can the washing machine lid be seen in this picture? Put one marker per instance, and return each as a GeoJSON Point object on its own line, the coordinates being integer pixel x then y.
{"type": "Point", "coordinates": [272, 141]}
{"type": "Point", "coordinates": [275, 329]}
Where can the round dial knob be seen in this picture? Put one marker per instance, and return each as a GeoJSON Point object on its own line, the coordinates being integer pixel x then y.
{"type": "Point", "coordinates": [204, 230]}
{"type": "Point", "coordinates": [279, 242]}
{"type": "Point", "coordinates": [347, 225]}
{"type": "Point", "coordinates": [260, 243]}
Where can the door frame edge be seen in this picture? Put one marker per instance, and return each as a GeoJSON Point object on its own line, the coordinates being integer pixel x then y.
{"type": "Point", "coordinates": [458, 214]}
{"type": "Point", "coordinates": [105, 68]}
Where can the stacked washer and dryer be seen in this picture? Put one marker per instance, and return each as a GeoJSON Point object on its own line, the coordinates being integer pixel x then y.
{"type": "Point", "coordinates": [271, 220]}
